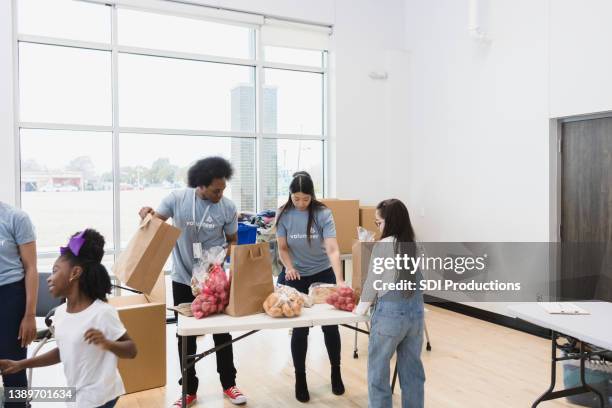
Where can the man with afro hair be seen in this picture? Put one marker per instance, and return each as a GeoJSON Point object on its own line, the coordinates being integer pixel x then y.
{"type": "Point", "coordinates": [206, 219]}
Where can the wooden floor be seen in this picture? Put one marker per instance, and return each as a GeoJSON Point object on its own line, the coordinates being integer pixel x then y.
{"type": "Point", "coordinates": [473, 364]}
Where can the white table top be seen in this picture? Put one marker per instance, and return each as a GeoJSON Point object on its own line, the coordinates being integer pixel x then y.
{"type": "Point", "coordinates": [318, 315]}
{"type": "Point", "coordinates": [594, 328]}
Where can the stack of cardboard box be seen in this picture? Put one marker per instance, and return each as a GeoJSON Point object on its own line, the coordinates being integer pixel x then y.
{"type": "Point", "coordinates": [348, 215]}
{"type": "Point", "coordinates": [144, 316]}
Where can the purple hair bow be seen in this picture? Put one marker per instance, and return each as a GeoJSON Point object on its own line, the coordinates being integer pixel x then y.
{"type": "Point", "coordinates": [74, 245]}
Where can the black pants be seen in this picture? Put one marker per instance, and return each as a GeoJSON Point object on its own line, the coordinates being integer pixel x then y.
{"type": "Point", "coordinates": [225, 357]}
{"type": "Point", "coordinates": [12, 309]}
{"type": "Point", "coordinates": [299, 336]}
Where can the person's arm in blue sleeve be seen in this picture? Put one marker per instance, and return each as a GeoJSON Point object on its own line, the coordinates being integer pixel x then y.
{"type": "Point", "coordinates": [231, 229]}
{"type": "Point", "coordinates": [163, 212]}
{"type": "Point", "coordinates": [331, 244]}
{"type": "Point", "coordinates": [26, 242]}
{"type": "Point", "coordinates": [283, 249]}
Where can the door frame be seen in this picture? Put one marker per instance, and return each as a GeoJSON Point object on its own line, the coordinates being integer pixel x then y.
{"type": "Point", "coordinates": [555, 189]}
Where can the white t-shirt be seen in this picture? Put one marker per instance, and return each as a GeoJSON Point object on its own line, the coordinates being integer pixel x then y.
{"type": "Point", "coordinates": [88, 368]}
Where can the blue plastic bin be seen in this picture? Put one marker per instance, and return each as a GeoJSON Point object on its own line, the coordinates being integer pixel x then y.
{"type": "Point", "coordinates": [247, 233]}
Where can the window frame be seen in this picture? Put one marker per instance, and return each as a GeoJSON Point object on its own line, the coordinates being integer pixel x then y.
{"type": "Point", "coordinates": [258, 63]}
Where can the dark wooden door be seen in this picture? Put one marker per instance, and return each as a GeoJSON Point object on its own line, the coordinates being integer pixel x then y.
{"type": "Point", "coordinates": [586, 209]}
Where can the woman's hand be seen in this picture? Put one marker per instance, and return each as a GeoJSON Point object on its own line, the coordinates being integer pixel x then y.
{"type": "Point", "coordinates": [10, 367]}
{"type": "Point", "coordinates": [27, 330]}
{"type": "Point", "coordinates": [93, 336]}
{"type": "Point", "coordinates": [292, 274]}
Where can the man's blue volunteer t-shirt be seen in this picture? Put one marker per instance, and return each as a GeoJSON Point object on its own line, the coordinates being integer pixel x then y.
{"type": "Point", "coordinates": [219, 220]}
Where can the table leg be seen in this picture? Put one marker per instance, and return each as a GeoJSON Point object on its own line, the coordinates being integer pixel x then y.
{"type": "Point", "coordinates": [553, 371]}
{"type": "Point", "coordinates": [183, 371]}
{"type": "Point", "coordinates": [582, 377]}
{"type": "Point", "coordinates": [583, 388]}
{"type": "Point", "coordinates": [355, 350]}
{"type": "Point", "coordinates": [428, 347]}
{"type": "Point", "coordinates": [394, 378]}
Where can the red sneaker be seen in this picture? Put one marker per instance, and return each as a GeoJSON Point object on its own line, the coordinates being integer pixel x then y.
{"type": "Point", "coordinates": [235, 396]}
{"type": "Point", "coordinates": [190, 400]}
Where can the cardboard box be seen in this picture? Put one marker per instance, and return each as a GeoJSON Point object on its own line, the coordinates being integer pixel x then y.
{"type": "Point", "coordinates": [367, 218]}
{"type": "Point", "coordinates": [144, 316]}
{"type": "Point", "coordinates": [346, 217]}
{"type": "Point", "coordinates": [361, 254]}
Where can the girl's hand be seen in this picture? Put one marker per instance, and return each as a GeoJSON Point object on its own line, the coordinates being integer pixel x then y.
{"type": "Point", "coordinates": [292, 274]}
{"type": "Point", "coordinates": [93, 336]}
{"type": "Point", "coordinates": [340, 283]}
{"type": "Point", "coordinates": [27, 330]}
{"type": "Point", "coordinates": [10, 367]}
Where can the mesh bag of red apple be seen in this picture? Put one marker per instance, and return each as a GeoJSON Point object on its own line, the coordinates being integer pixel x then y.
{"type": "Point", "coordinates": [210, 284]}
{"type": "Point", "coordinates": [344, 298]}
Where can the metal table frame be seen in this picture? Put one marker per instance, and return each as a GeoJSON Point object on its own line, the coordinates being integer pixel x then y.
{"type": "Point", "coordinates": [583, 355]}
{"type": "Point", "coordinates": [188, 361]}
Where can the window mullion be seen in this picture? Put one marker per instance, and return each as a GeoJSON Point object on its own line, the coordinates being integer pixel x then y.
{"type": "Point", "coordinates": [16, 107]}
{"type": "Point", "coordinates": [259, 159]}
{"type": "Point", "coordinates": [115, 111]}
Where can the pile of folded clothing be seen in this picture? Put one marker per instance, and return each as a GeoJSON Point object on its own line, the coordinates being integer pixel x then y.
{"type": "Point", "coordinates": [264, 219]}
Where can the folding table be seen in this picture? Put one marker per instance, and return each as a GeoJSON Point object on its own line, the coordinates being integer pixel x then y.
{"type": "Point", "coordinates": [594, 329]}
{"type": "Point", "coordinates": [318, 315]}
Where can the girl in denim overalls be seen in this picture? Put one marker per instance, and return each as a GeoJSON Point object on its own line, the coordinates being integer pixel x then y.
{"type": "Point", "coordinates": [397, 315]}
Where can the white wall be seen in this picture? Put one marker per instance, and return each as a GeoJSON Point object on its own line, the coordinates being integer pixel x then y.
{"type": "Point", "coordinates": [367, 36]}
{"type": "Point", "coordinates": [478, 122]}
{"type": "Point", "coordinates": [478, 115]}
{"type": "Point", "coordinates": [580, 57]}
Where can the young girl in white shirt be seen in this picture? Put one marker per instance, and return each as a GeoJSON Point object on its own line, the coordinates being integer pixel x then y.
{"type": "Point", "coordinates": [90, 337]}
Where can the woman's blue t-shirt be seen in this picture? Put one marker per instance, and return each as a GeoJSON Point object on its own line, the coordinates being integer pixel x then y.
{"type": "Point", "coordinates": [308, 258]}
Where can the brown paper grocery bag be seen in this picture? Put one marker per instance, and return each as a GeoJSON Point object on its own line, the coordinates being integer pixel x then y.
{"type": "Point", "coordinates": [140, 264]}
{"type": "Point", "coordinates": [251, 279]}
{"type": "Point", "coordinates": [362, 252]}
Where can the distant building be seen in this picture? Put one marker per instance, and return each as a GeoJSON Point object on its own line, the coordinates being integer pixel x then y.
{"type": "Point", "coordinates": [243, 151]}
{"type": "Point", "coordinates": [63, 181]}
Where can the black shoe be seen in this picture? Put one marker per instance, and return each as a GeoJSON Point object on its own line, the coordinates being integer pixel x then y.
{"type": "Point", "coordinates": [301, 388]}
{"type": "Point", "coordinates": [336, 381]}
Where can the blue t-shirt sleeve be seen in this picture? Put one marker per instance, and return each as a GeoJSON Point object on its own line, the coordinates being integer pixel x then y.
{"type": "Point", "coordinates": [24, 230]}
{"type": "Point", "coordinates": [166, 207]}
{"type": "Point", "coordinates": [281, 228]}
{"type": "Point", "coordinates": [231, 223]}
{"type": "Point", "coordinates": [326, 220]}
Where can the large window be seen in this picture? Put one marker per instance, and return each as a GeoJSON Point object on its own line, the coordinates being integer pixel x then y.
{"type": "Point", "coordinates": [113, 109]}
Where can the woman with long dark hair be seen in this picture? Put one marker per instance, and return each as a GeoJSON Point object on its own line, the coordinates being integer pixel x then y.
{"type": "Point", "coordinates": [397, 316]}
{"type": "Point", "coordinates": [309, 251]}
